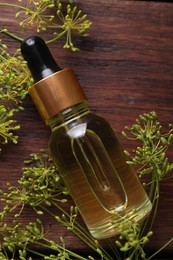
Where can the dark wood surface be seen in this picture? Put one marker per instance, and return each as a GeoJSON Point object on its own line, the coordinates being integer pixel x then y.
{"type": "Point", "coordinates": [126, 68]}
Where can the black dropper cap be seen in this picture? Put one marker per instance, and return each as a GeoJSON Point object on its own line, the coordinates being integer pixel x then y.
{"type": "Point", "coordinates": [39, 59]}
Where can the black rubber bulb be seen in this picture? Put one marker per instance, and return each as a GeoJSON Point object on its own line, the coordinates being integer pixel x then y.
{"type": "Point", "coordinates": [39, 59]}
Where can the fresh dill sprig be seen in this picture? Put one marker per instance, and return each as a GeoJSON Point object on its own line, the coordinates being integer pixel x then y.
{"type": "Point", "coordinates": [18, 239]}
{"type": "Point", "coordinates": [71, 22]}
{"type": "Point", "coordinates": [14, 75]}
{"type": "Point", "coordinates": [42, 15]}
{"type": "Point", "coordinates": [130, 240]}
{"type": "Point", "coordinates": [35, 11]}
{"type": "Point", "coordinates": [41, 187]}
{"type": "Point", "coordinates": [7, 126]}
{"type": "Point", "coordinates": [40, 184]}
{"type": "Point", "coordinates": [151, 160]}
{"type": "Point", "coordinates": [15, 79]}
{"type": "Point", "coordinates": [151, 154]}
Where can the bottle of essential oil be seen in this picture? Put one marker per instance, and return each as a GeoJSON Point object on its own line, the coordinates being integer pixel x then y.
{"type": "Point", "coordinates": [84, 147]}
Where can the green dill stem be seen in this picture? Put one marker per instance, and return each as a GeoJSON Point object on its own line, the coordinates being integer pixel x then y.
{"type": "Point", "coordinates": [64, 212]}
{"type": "Point", "coordinates": [13, 5]}
{"type": "Point", "coordinates": [79, 231]}
{"type": "Point", "coordinates": [12, 35]}
{"type": "Point", "coordinates": [60, 247]}
{"type": "Point", "coordinates": [113, 248]}
{"type": "Point", "coordinates": [135, 254]}
{"type": "Point", "coordinates": [84, 235]}
{"type": "Point", "coordinates": [35, 252]}
{"type": "Point", "coordinates": [154, 190]}
{"type": "Point", "coordinates": [55, 26]}
{"type": "Point", "coordinates": [140, 252]}
{"type": "Point", "coordinates": [4, 251]}
{"type": "Point", "coordinates": [155, 196]}
{"type": "Point", "coordinates": [57, 37]}
{"type": "Point", "coordinates": [160, 249]}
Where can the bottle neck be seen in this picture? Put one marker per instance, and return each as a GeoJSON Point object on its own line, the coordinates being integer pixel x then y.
{"type": "Point", "coordinates": [69, 114]}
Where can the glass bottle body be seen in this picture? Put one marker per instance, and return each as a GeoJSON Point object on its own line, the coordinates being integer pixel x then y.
{"type": "Point", "coordinates": [93, 166]}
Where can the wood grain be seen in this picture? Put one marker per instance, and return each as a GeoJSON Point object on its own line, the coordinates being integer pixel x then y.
{"type": "Point", "coordinates": [126, 68]}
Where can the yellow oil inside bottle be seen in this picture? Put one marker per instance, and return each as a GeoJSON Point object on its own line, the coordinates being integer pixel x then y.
{"type": "Point", "coordinates": [93, 167]}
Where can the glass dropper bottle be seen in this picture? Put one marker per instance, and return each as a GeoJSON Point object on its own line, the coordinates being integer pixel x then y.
{"type": "Point", "coordinates": [84, 147]}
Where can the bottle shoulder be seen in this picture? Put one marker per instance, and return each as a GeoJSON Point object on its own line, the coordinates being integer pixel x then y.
{"type": "Point", "coordinates": [81, 126]}
{"type": "Point", "coordinates": [90, 120]}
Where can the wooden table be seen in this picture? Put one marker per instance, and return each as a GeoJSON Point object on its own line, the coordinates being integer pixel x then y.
{"type": "Point", "coordinates": [126, 68]}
